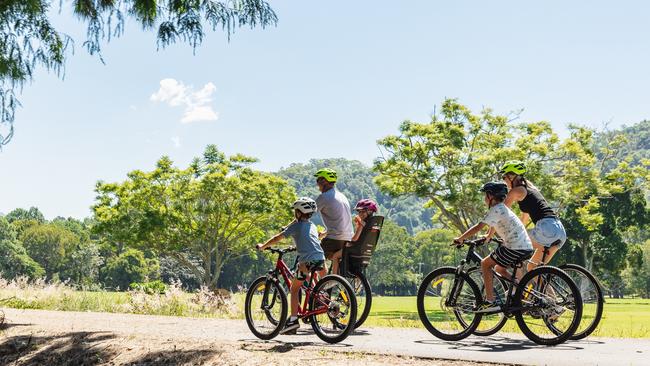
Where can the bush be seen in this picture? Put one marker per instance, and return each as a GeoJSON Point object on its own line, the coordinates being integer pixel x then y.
{"type": "Point", "coordinates": [151, 287]}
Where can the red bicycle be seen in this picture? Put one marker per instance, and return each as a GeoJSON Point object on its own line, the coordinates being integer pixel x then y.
{"type": "Point", "coordinates": [329, 303]}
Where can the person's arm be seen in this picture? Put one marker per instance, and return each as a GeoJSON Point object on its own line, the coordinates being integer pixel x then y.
{"type": "Point", "coordinates": [358, 227]}
{"type": "Point", "coordinates": [270, 242]}
{"type": "Point", "coordinates": [490, 234]}
{"type": "Point", "coordinates": [525, 218]}
{"type": "Point", "coordinates": [471, 232]}
{"type": "Point", "coordinates": [515, 195]}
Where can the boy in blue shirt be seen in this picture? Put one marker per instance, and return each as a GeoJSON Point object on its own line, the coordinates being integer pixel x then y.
{"type": "Point", "coordinates": [310, 253]}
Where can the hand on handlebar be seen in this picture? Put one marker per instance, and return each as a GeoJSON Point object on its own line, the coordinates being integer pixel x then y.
{"type": "Point", "coordinates": [259, 246]}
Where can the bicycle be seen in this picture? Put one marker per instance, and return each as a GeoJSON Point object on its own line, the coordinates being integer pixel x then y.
{"type": "Point", "coordinates": [546, 297]}
{"type": "Point", "coordinates": [590, 291]}
{"type": "Point", "coordinates": [329, 303]}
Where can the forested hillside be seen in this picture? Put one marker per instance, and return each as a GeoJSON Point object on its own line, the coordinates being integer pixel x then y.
{"type": "Point", "coordinates": [356, 182]}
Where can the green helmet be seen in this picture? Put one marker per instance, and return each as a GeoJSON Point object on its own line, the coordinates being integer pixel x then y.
{"type": "Point", "coordinates": [514, 166]}
{"type": "Point", "coordinates": [328, 174]}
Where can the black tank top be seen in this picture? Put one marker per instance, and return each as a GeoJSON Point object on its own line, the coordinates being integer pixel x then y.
{"type": "Point", "coordinates": [535, 205]}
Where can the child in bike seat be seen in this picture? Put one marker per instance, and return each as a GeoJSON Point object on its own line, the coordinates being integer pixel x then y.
{"type": "Point", "coordinates": [310, 253]}
{"type": "Point", "coordinates": [365, 209]}
{"type": "Point", "coordinates": [516, 246]}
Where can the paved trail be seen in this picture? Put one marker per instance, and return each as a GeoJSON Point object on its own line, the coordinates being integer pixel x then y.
{"type": "Point", "coordinates": [396, 341]}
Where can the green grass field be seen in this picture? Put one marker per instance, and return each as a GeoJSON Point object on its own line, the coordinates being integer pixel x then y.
{"type": "Point", "coordinates": [626, 318]}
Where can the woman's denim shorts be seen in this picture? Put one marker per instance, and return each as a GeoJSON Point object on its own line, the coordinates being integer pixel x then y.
{"type": "Point", "coordinates": [547, 231]}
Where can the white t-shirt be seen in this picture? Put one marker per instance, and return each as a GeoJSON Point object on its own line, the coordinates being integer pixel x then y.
{"type": "Point", "coordinates": [510, 229]}
{"type": "Point", "coordinates": [334, 208]}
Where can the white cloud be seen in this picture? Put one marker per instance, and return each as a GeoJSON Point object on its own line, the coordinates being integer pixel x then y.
{"type": "Point", "coordinates": [196, 103]}
{"type": "Point", "coordinates": [177, 141]}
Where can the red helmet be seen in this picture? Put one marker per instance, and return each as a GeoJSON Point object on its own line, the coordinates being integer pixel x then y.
{"type": "Point", "coordinates": [366, 204]}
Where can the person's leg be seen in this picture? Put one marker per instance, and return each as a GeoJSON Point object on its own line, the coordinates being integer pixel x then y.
{"type": "Point", "coordinates": [295, 288]}
{"type": "Point", "coordinates": [536, 259]}
{"type": "Point", "coordinates": [336, 259]}
{"type": "Point", "coordinates": [503, 271]}
{"type": "Point", "coordinates": [486, 268]}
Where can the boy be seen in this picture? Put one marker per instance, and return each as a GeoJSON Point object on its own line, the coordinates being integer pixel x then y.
{"type": "Point", "coordinates": [310, 253]}
{"type": "Point", "coordinates": [516, 246]}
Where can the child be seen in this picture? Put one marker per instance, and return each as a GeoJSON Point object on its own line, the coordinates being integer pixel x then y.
{"type": "Point", "coordinates": [516, 246]}
{"type": "Point", "coordinates": [365, 208]}
{"type": "Point", "coordinates": [310, 253]}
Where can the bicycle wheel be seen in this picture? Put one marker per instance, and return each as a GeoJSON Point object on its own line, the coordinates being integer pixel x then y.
{"type": "Point", "coordinates": [593, 300]}
{"type": "Point", "coordinates": [336, 306]}
{"type": "Point", "coordinates": [443, 298]}
{"type": "Point", "coordinates": [490, 323]}
{"type": "Point", "coordinates": [265, 308]}
{"type": "Point", "coordinates": [549, 306]}
{"type": "Point", "coordinates": [363, 293]}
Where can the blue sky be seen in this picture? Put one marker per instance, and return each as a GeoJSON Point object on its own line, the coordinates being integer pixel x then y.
{"type": "Point", "coordinates": [328, 81]}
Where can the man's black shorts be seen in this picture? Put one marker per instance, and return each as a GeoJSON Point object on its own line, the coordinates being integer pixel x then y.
{"type": "Point", "coordinates": [331, 246]}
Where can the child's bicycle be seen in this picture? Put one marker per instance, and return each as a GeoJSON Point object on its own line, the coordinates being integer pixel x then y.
{"type": "Point", "coordinates": [329, 303]}
{"type": "Point", "coordinates": [546, 303]}
{"type": "Point", "coordinates": [593, 300]}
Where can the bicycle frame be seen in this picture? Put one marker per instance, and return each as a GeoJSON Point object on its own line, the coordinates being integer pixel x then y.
{"type": "Point", "coordinates": [281, 269]}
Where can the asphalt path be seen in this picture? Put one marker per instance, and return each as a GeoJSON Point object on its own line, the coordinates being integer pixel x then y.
{"type": "Point", "coordinates": [500, 348]}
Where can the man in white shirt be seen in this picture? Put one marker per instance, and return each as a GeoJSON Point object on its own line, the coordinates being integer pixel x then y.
{"type": "Point", "coordinates": [334, 209]}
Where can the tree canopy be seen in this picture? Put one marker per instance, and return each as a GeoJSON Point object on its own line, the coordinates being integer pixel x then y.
{"type": "Point", "coordinates": [200, 216]}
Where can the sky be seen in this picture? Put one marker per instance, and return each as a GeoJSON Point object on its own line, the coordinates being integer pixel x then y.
{"type": "Point", "coordinates": [328, 81]}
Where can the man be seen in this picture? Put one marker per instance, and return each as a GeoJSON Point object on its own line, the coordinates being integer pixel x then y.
{"type": "Point", "coordinates": [334, 209]}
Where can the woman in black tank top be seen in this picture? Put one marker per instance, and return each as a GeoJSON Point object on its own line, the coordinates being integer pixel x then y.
{"type": "Point", "coordinates": [548, 231]}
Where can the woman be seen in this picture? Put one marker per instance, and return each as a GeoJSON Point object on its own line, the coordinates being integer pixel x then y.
{"type": "Point", "coordinates": [548, 231]}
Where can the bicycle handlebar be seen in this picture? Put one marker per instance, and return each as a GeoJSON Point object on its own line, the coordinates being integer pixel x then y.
{"type": "Point", "coordinates": [281, 251]}
{"type": "Point", "coordinates": [477, 242]}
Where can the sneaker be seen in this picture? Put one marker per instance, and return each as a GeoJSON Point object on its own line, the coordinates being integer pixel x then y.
{"type": "Point", "coordinates": [291, 326]}
{"type": "Point", "coordinates": [489, 306]}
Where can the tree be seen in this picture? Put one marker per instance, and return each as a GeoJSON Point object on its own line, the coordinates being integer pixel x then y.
{"type": "Point", "coordinates": [14, 260]}
{"type": "Point", "coordinates": [28, 40]}
{"type": "Point", "coordinates": [448, 159]}
{"type": "Point", "coordinates": [81, 265]}
{"type": "Point", "coordinates": [391, 269]}
{"type": "Point", "coordinates": [48, 245]}
{"type": "Point", "coordinates": [129, 267]}
{"type": "Point", "coordinates": [201, 216]}
{"type": "Point", "coordinates": [21, 214]}
{"type": "Point", "coordinates": [433, 250]}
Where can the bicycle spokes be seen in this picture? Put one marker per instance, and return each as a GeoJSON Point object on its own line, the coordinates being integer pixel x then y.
{"type": "Point", "coordinates": [548, 305]}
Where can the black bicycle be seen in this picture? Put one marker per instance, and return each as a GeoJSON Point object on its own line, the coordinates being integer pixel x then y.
{"type": "Point", "coordinates": [590, 289]}
{"type": "Point", "coordinates": [546, 302]}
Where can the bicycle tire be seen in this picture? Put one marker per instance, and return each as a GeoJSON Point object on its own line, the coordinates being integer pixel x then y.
{"type": "Point", "coordinates": [464, 279]}
{"type": "Point", "coordinates": [519, 314]}
{"type": "Point", "coordinates": [351, 298]}
{"type": "Point", "coordinates": [362, 314]}
{"type": "Point", "coordinates": [284, 307]}
{"type": "Point", "coordinates": [600, 301]}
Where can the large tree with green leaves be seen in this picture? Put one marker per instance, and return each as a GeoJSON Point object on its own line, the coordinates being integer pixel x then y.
{"type": "Point", "coordinates": [14, 260]}
{"type": "Point", "coordinates": [29, 41]}
{"type": "Point", "coordinates": [449, 158]}
{"type": "Point", "coordinates": [200, 216]}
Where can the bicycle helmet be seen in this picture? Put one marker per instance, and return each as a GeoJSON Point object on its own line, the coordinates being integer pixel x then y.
{"type": "Point", "coordinates": [328, 174]}
{"type": "Point", "coordinates": [305, 205]}
{"type": "Point", "coordinates": [514, 166]}
{"type": "Point", "coordinates": [366, 204]}
{"type": "Point", "coordinates": [496, 189]}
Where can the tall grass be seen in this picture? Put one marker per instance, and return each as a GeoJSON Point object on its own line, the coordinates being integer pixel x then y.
{"type": "Point", "coordinates": [21, 293]}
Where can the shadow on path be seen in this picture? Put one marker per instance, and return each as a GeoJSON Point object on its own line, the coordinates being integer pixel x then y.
{"type": "Point", "coordinates": [497, 344]}
{"type": "Point", "coordinates": [89, 349]}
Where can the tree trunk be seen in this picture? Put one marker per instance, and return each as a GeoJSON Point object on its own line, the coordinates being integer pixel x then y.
{"type": "Point", "coordinates": [584, 245]}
